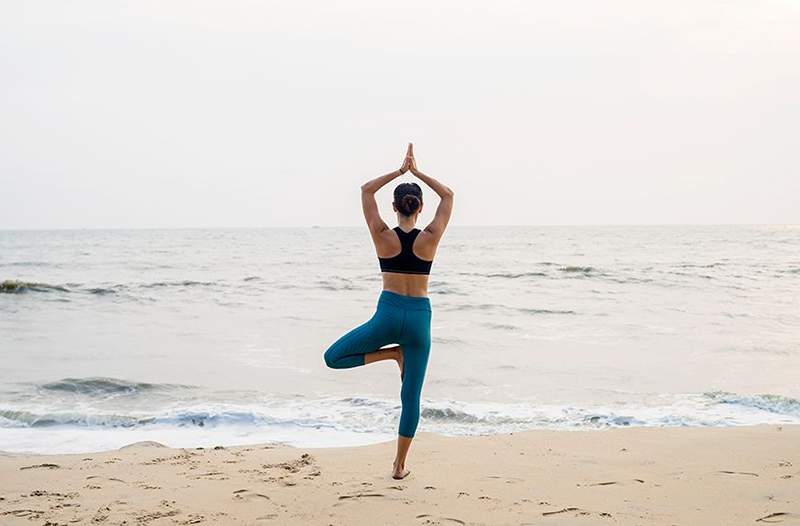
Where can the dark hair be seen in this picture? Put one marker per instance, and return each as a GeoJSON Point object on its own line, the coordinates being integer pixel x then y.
{"type": "Point", "coordinates": [407, 198]}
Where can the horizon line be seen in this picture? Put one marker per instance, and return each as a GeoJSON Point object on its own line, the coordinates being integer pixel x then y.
{"type": "Point", "coordinates": [512, 225]}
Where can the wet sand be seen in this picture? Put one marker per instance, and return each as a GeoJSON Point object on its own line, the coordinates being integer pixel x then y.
{"type": "Point", "coordinates": [687, 476]}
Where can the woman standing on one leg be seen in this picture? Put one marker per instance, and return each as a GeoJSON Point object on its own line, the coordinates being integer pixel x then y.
{"type": "Point", "coordinates": [403, 313]}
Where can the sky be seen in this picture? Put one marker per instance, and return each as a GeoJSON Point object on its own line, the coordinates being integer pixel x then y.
{"type": "Point", "coordinates": [191, 113]}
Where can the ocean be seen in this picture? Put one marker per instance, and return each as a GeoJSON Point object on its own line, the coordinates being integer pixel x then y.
{"type": "Point", "coordinates": [215, 337]}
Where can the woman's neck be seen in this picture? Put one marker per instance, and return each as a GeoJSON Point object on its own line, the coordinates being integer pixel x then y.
{"type": "Point", "coordinates": [406, 223]}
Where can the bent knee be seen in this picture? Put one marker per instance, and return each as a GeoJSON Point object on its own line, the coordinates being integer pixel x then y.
{"type": "Point", "coordinates": [330, 360]}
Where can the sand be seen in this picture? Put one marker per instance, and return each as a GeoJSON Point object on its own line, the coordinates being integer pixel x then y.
{"type": "Point", "coordinates": [686, 476]}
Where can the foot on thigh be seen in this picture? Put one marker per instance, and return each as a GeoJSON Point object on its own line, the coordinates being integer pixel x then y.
{"type": "Point", "coordinates": [400, 360]}
{"type": "Point", "coordinates": [397, 355]}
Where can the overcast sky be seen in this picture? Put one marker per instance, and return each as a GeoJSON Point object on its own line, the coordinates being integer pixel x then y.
{"type": "Point", "coordinates": [243, 113]}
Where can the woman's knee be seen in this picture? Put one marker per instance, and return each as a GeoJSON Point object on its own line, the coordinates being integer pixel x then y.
{"type": "Point", "coordinates": [331, 360]}
{"type": "Point", "coordinates": [331, 357]}
{"type": "Point", "coordinates": [342, 355]}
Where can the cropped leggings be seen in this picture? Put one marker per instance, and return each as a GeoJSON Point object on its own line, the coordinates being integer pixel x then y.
{"type": "Point", "coordinates": [404, 320]}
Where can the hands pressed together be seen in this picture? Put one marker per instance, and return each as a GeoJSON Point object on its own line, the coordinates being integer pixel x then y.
{"type": "Point", "coordinates": [409, 163]}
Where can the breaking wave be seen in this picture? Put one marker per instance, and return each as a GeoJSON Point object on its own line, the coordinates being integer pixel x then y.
{"type": "Point", "coordinates": [368, 414]}
{"type": "Point", "coordinates": [99, 386]}
{"type": "Point", "coordinates": [11, 286]}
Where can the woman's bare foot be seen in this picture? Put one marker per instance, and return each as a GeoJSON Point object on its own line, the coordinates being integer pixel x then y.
{"type": "Point", "coordinates": [399, 473]}
{"type": "Point", "coordinates": [397, 355]}
{"type": "Point", "coordinates": [400, 360]}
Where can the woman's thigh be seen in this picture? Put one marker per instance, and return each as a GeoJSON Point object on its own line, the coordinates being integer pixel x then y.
{"type": "Point", "coordinates": [417, 329]}
{"type": "Point", "coordinates": [349, 350]}
{"type": "Point", "coordinates": [416, 343]}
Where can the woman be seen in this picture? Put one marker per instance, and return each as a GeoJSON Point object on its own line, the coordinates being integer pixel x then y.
{"type": "Point", "coordinates": [403, 314]}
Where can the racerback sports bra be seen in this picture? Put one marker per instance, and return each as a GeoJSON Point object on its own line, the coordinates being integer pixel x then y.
{"type": "Point", "coordinates": [406, 262]}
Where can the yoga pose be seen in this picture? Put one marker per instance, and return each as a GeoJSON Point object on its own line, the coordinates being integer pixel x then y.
{"type": "Point", "coordinates": [403, 313]}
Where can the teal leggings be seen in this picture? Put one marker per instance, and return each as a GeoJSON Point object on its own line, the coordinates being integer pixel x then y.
{"type": "Point", "coordinates": [404, 320]}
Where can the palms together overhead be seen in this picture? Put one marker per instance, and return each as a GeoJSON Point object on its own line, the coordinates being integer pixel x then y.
{"type": "Point", "coordinates": [409, 163]}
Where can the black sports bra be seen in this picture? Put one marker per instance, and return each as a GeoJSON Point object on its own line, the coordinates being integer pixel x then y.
{"type": "Point", "coordinates": [406, 262]}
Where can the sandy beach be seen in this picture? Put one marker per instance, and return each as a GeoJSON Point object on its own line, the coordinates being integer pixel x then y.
{"type": "Point", "coordinates": [734, 475]}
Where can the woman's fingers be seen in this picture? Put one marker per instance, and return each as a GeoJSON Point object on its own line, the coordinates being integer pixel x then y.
{"type": "Point", "coordinates": [408, 162]}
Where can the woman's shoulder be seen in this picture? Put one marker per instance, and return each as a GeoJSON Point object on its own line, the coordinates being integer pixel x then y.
{"type": "Point", "coordinates": [425, 245]}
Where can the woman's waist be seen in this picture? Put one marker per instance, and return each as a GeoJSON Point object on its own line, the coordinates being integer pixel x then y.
{"type": "Point", "coordinates": [405, 284]}
{"type": "Point", "coordinates": [404, 301]}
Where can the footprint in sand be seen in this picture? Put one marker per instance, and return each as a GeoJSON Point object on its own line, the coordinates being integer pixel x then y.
{"type": "Point", "coordinates": [167, 510]}
{"type": "Point", "coordinates": [431, 519]}
{"type": "Point", "coordinates": [360, 495]}
{"type": "Point", "coordinates": [23, 514]}
{"type": "Point", "coordinates": [41, 466]}
{"type": "Point", "coordinates": [614, 482]}
{"type": "Point", "coordinates": [54, 494]}
{"type": "Point", "coordinates": [507, 480]}
{"type": "Point", "coordinates": [101, 515]}
{"type": "Point", "coordinates": [248, 495]}
{"type": "Point", "coordinates": [54, 499]}
{"type": "Point", "coordinates": [184, 457]}
{"type": "Point", "coordinates": [780, 517]}
{"type": "Point", "coordinates": [570, 509]}
{"type": "Point", "coordinates": [112, 479]}
{"type": "Point", "coordinates": [576, 512]}
{"type": "Point", "coordinates": [293, 466]}
{"type": "Point", "coordinates": [211, 475]}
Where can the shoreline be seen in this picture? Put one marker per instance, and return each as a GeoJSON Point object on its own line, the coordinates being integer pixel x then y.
{"type": "Point", "coordinates": [644, 475]}
{"type": "Point", "coordinates": [206, 444]}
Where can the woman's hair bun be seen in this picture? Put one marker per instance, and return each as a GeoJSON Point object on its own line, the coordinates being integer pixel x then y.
{"type": "Point", "coordinates": [407, 198]}
{"type": "Point", "coordinates": [409, 204]}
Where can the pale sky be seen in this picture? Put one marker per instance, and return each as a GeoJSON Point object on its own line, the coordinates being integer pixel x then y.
{"type": "Point", "coordinates": [242, 113]}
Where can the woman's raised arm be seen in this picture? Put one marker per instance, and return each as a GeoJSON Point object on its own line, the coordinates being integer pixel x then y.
{"type": "Point", "coordinates": [374, 222]}
{"type": "Point", "coordinates": [445, 208]}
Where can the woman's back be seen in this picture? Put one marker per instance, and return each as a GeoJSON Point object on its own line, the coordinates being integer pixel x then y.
{"type": "Point", "coordinates": [405, 260]}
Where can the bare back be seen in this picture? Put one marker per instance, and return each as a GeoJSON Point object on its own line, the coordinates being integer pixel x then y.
{"type": "Point", "coordinates": [387, 245]}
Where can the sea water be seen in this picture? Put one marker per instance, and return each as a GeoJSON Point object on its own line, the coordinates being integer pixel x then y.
{"type": "Point", "coordinates": [215, 337]}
